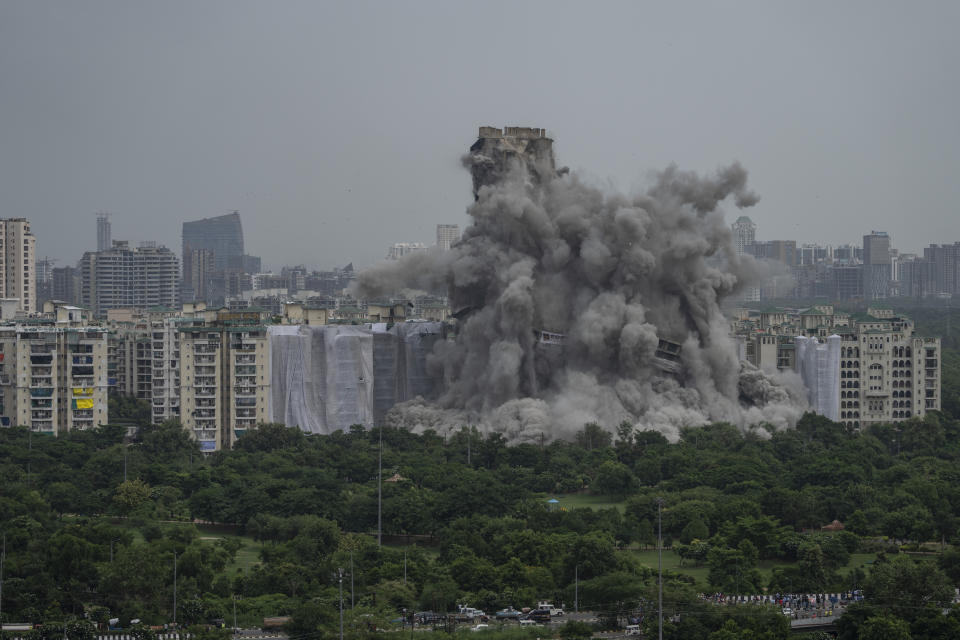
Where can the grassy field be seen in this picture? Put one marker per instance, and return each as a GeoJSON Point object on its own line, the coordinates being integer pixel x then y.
{"type": "Point", "coordinates": [671, 562]}
{"type": "Point", "coordinates": [588, 500]}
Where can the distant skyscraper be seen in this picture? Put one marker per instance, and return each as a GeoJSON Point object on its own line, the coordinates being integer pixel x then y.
{"type": "Point", "coordinates": [876, 265]}
{"type": "Point", "coordinates": [103, 231]}
{"type": "Point", "coordinates": [221, 234]}
{"type": "Point", "coordinates": [447, 236]}
{"type": "Point", "coordinates": [17, 263]}
{"type": "Point", "coordinates": [744, 234]}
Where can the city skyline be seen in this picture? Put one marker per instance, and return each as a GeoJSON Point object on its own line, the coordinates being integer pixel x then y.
{"type": "Point", "coordinates": [334, 139]}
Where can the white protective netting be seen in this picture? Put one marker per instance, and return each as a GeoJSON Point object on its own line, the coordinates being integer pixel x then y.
{"type": "Point", "coordinates": [326, 378]}
{"type": "Point", "coordinates": [819, 368]}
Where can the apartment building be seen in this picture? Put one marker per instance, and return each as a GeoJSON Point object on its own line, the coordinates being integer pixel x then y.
{"type": "Point", "coordinates": [53, 379]}
{"type": "Point", "coordinates": [17, 263]}
{"type": "Point", "coordinates": [224, 377]}
{"type": "Point", "coordinates": [120, 278]}
{"type": "Point", "coordinates": [885, 372]}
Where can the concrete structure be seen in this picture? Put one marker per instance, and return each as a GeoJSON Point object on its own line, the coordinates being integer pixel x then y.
{"type": "Point", "coordinates": [221, 234]}
{"type": "Point", "coordinates": [400, 249]}
{"type": "Point", "coordinates": [17, 263]}
{"type": "Point", "coordinates": [104, 239]}
{"type": "Point", "coordinates": [744, 234]}
{"type": "Point", "coordinates": [876, 265]}
{"type": "Point", "coordinates": [53, 379]}
{"type": "Point", "coordinates": [225, 377]}
{"type": "Point", "coordinates": [140, 278]}
{"type": "Point", "coordinates": [498, 151]}
{"type": "Point", "coordinates": [943, 277]}
{"type": "Point", "coordinates": [447, 236]}
{"type": "Point", "coordinates": [886, 373]}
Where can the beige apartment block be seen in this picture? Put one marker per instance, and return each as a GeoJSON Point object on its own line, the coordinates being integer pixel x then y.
{"type": "Point", "coordinates": [886, 373]}
{"type": "Point", "coordinates": [17, 263]}
{"type": "Point", "coordinates": [53, 379]}
{"type": "Point", "coordinates": [224, 377]}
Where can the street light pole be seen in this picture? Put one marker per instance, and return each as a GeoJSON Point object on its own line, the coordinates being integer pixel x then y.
{"type": "Point", "coordinates": [351, 579]}
{"type": "Point", "coordinates": [576, 588]}
{"type": "Point", "coordinates": [341, 603]}
{"type": "Point", "coordinates": [174, 588]}
{"type": "Point", "coordinates": [380, 491]}
{"type": "Point", "coordinates": [660, 566]}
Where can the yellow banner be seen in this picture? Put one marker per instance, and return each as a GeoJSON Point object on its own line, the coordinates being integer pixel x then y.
{"type": "Point", "coordinates": [85, 403]}
{"type": "Point", "coordinates": [82, 391]}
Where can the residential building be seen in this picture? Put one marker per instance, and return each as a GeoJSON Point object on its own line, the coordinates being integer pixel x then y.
{"type": "Point", "coordinates": [104, 240]}
{"type": "Point", "coordinates": [53, 379]}
{"type": "Point", "coordinates": [447, 236]}
{"type": "Point", "coordinates": [885, 372]}
{"type": "Point", "coordinates": [944, 263]}
{"type": "Point", "coordinates": [400, 249]}
{"type": "Point", "coordinates": [876, 265]}
{"type": "Point", "coordinates": [140, 278]}
{"type": "Point", "coordinates": [744, 234]}
{"type": "Point", "coordinates": [18, 262]}
{"type": "Point", "coordinates": [225, 377]}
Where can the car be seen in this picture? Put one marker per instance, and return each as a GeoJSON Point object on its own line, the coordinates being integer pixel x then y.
{"type": "Point", "coordinates": [787, 611]}
{"type": "Point", "coordinates": [508, 614]}
{"type": "Point", "coordinates": [480, 627]}
{"type": "Point", "coordinates": [632, 630]}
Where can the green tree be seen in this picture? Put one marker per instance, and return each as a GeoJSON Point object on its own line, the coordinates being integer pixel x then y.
{"type": "Point", "coordinates": [885, 627]}
{"type": "Point", "coordinates": [613, 478]}
{"type": "Point", "coordinates": [131, 494]}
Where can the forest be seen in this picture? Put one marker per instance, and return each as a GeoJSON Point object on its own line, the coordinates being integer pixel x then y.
{"type": "Point", "coordinates": [92, 522]}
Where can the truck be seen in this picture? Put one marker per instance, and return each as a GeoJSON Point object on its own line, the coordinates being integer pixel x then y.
{"type": "Point", "coordinates": [554, 611]}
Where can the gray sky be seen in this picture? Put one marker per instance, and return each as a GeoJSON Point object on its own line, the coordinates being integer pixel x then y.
{"type": "Point", "coordinates": [336, 128]}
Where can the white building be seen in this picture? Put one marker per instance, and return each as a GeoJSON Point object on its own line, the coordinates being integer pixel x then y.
{"type": "Point", "coordinates": [447, 236]}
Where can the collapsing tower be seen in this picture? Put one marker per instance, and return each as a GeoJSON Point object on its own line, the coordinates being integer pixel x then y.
{"type": "Point", "coordinates": [496, 150]}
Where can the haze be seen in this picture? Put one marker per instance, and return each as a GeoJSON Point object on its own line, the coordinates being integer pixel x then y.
{"type": "Point", "coordinates": [336, 129]}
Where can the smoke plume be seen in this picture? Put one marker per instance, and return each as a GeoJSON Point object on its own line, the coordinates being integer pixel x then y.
{"type": "Point", "coordinates": [563, 294]}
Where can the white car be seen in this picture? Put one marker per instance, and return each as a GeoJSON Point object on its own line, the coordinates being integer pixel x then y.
{"type": "Point", "coordinates": [480, 627]}
{"type": "Point", "coordinates": [632, 630]}
{"type": "Point", "coordinates": [787, 611]}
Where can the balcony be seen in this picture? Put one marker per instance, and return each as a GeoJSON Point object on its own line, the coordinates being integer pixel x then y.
{"type": "Point", "coordinates": [41, 414]}
{"type": "Point", "coordinates": [81, 371]}
{"type": "Point", "coordinates": [41, 359]}
{"type": "Point", "coordinates": [41, 393]}
{"type": "Point", "coordinates": [83, 381]}
{"type": "Point", "coordinates": [246, 359]}
{"type": "Point", "coordinates": [198, 360]}
{"type": "Point", "coordinates": [83, 414]}
{"type": "Point", "coordinates": [243, 346]}
{"type": "Point", "coordinates": [42, 425]}
{"type": "Point", "coordinates": [245, 402]}
{"type": "Point", "coordinates": [82, 359]}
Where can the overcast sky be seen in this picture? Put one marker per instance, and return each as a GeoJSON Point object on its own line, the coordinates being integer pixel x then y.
{"type": "Point", "coordinates": [336, 128]}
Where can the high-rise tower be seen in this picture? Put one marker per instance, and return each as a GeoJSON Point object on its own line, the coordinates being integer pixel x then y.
{"type": "Point", "coordinates": [103, 231]}
{"type": "Point", "coordinates": [17, 263]}
{"type": "Point", "coordinates": [876, 265]}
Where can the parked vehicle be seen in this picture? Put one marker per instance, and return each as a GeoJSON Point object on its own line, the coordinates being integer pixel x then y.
{"type": "Point", "coordinates": [554, 611]}
{"type": "Point", "coordinates": [480, 627]}
{"type": "Point", "coordinates": [787, 611]}
{"type": "Point", "coordinates": [632, 630]}
{"type": "Point", "coordinates": [527, 622]}
{"type": "Point", "coordinates": [539, 615]}
{"type": "Point", "coordinates": [508, 614]}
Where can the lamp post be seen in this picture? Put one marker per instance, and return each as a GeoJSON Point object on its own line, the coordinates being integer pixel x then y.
{"type": "Point", "coordinates": [340, 571]}
{"type": "Point", "coordinates": [660, 567]}
{"type": "Point", "coordinates": [235, 598]}
{"type": "Point", "coordinates": [380, 491]}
